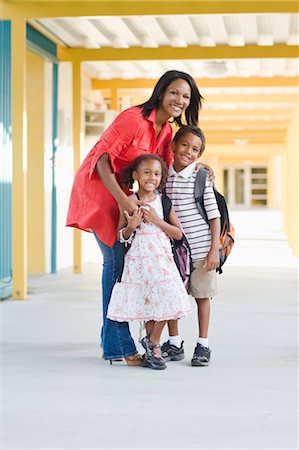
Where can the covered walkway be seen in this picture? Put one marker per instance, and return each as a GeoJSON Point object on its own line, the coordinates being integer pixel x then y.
{"type": "Point", "coordinates": [59, 394]}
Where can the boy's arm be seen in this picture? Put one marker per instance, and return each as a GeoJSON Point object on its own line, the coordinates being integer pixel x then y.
{"type": "Point", "coordinates": [211, 173]}
{"type": "Point", "coordinates": [212, 260]}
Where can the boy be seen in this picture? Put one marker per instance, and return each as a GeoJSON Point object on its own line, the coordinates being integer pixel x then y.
{"type": "Point", "coordinates": [188, 145]}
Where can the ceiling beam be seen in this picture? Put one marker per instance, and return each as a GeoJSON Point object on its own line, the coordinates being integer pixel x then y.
{"type": "Point", "coordinates": [175, 53]}
{"type": "Point", "coordinates": [274, 99]}
{"type": "Point", "coordinates": [143, 83]}
{"type": "Point", "coordinates": [246, 124]}
{"type": "Point", "coordinates": [207, 114]}
{"type": "Point", "coordinates": [43, 9]}
{"type": "Point", "coordinates": [262, 136]}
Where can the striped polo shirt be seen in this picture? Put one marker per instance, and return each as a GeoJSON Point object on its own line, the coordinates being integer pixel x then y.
{"type": "Point", "coordinates": [180, 189]}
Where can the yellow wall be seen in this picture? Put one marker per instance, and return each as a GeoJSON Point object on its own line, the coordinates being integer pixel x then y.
{"type": "Point", "coordinates": [268, 155]}
{"type": "Point", "coordinates": [36, 206]}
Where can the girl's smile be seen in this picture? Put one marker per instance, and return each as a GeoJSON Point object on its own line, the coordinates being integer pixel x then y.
{"type": "Point", "coordinates": [149, 175]}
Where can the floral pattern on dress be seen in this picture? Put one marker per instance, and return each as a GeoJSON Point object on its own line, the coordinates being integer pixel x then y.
{"type": "Point", "coordinates": [151, 287]}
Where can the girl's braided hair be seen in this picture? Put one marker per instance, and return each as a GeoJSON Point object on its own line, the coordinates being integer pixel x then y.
{"type": "Point", "coordinates": [126, 178]}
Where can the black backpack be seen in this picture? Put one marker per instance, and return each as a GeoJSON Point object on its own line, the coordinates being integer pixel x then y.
{"type": "Point", "coordinates": [227, 231]}
{"type": "Point", "coordinates": [180, 249]}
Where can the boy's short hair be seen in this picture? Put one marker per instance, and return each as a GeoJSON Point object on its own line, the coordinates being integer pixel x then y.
{"type": "Point", "coordinates": [182, 131]}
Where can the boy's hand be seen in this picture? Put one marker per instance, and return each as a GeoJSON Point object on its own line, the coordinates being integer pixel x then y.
{"type": "Point", "coordinates": [211, 173]}
{"type": "Point", "coordinates": [212, 260]}
{"type": "Point", "coordinates": [135, 219]}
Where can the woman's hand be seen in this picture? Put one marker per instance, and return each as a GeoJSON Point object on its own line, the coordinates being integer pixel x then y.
{"type": "Point", "coordinates": [211, 173]}
{"type": "Point", "coordinates": [128, 204]}
{"type": "Point", "coordinates": [107, 176]}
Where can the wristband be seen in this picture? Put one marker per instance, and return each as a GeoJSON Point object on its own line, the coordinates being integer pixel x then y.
{"type": "Point", "coordinates": [123, 240]}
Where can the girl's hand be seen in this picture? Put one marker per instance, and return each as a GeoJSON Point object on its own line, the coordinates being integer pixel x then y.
{"type": "Point", "coordinates": [134, 220]}
{"type": "Point", "coordinates": [212, 260]}
{"type": "Point", "coordinates": [150, 215]}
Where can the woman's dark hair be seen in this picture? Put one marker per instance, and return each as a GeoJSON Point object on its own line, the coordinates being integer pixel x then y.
{"type": "Point", "coordinates": [194, 130]}
{"type": "Point", "coordinates": [127, 173]}
{"type": "Point", "coordinates": [191, 112]}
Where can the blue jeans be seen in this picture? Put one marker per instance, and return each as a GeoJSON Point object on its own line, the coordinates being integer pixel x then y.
{"type": "Point", "coordinates": [116, 338]}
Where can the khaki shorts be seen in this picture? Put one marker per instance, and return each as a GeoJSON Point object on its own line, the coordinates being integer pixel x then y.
{"type": "Point", "coordinates": [202, 283]}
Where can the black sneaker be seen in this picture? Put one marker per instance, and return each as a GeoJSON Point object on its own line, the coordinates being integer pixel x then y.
{"type": "Point", "coordinates": [171, 352]}
{"type": "Point", "coordinates": [151, 360]}
{"type": "Point", "coordinates": [201, 356]}
{"type": "Point", "coordinates": [153, 363]}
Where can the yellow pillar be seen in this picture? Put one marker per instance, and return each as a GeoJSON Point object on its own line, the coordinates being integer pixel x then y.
{"type": "Point", "coordinates": [76, 66]}
{"type": "Point", "coordinates": [274, 182]}
{"type": "Point", "coordinates": [19, 144]}
{"type": "Point", "coordinates": [113, 99]}
{"type": "Point", "coordinates": [35, 188]}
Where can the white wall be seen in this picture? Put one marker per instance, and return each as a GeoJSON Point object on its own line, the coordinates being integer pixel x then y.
{"type": "Point", "coordinates": [64, 165]}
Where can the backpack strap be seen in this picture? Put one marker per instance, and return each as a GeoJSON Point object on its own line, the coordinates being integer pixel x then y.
{"type": "Point", "coordinates": [199, 188]}
{"type": "Point", "coordinates": [166, 205]}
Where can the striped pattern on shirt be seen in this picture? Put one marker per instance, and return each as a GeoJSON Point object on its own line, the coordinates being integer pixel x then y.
{"type": "Point", "coordinates": [180, 189]}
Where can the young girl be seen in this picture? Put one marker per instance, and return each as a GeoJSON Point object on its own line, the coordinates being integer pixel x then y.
{"type": "Point", "coordinates": [151, 288]}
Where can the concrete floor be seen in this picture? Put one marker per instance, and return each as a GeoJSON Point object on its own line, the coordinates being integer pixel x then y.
{"type": "Point", "coordinates": [59, 394]}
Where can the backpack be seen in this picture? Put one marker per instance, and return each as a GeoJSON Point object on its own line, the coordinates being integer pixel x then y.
{"type": "Point", "coordinates": [227, 231]}
{"type": "Point", "coordinates": [180, 249]}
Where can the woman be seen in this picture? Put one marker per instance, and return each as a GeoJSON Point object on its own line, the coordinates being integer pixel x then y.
{"type": "Point", "coordinates": [97, 197]}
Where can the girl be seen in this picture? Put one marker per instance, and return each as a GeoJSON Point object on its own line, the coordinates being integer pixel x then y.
{"type": "Point", "coordinates": [151, 288]}
{"type": "Point", "coordinates": [97, 199]}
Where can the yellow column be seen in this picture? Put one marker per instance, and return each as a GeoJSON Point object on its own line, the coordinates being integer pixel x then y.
{"type": "Point", "coordinates": [19, 144]}
{"type": "Point", "coordinates": [274, 182]}
{"type": "Point", "coordinates": [77, 147]}
{"type": "Point", "coordinates": [113, 99]}
{"type": "Point", "coordinates": [35, 183]}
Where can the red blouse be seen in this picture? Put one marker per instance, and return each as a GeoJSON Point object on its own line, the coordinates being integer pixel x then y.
{"type": "Point", "coordinates": [92, 207]}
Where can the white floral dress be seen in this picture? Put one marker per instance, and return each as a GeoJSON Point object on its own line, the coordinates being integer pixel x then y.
{"type": "Point", "coordinates": [151, 287]}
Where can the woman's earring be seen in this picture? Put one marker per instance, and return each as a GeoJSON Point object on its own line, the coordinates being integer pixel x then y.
{"type": "Point", "coordinates": [135, 187]}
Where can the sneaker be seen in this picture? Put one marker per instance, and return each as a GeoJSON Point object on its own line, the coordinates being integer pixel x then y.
{"type": "Point", "coordinates": [201, 356]}
{"type": "Point", "coordinates": [171, 352]}
{"type": "Point", "coordinates": [151, 360]}
{"type": "Point", "coordinates": [151, 363]}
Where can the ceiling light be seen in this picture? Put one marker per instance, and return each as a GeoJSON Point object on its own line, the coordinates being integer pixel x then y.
{"type": "Point", "coordinates": [214, 69]}
{"type": "Point", "coordinates": [241, 141]}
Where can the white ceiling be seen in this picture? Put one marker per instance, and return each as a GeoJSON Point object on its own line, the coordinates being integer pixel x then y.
{"type": "Point", "coordinates": [179, 31]}
{"type": "Point", "coordinates": [241, 113]}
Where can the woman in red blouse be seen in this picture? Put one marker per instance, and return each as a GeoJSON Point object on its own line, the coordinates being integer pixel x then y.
{"type": "Point", "coordinates": [97, 197]}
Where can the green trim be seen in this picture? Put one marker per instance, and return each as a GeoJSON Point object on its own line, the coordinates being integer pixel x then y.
{"type": "Point", "coordinates": [40, 44]}
{"type": "Point", "coordinates": [5, 161]}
